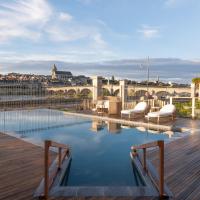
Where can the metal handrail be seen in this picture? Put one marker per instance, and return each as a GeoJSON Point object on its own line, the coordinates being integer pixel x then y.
{"type": "Point", "coordinates": [48, 180]}
{"type": "Point", "coordinates": [160, 144]}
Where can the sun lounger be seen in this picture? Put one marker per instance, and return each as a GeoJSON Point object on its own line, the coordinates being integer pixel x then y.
{"type": "Point", "coordinates": [139, 111]}
{"type": "Point", "coordinates": [167, 112]}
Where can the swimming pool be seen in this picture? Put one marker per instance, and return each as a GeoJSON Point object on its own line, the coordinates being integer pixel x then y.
{"type": "Point", "coordinates": [100, 150]}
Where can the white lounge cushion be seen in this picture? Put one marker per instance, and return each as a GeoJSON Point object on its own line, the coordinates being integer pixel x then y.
{"type": "Point", "coordinates": [139, 108]}
{"type": "Point", "coordinates": [165, 111]}
{"type": "Point", "coordinates": [170, 108]}
{"type": "Point", "coordinates": [142, 106]}
{"type": "Point", "coordinates": [159, 114]}
{"type": "Point", "coordinates": [106, 104]}
{"type": "Point", "coordinates": [153, 114]}
{"type": "Point", "coordinates": [103, 104]}
{"type": "Point", "coordinates": [127, 111]}
{"type": "Point", "coordinates": [140, 128]}
{"type": "Point", "coordinates": [99, 103]}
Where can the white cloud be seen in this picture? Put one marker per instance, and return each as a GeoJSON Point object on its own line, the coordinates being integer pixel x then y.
{"type": "Point", "coordinates": [65, 16]}
{"type": "Point", "coordinates": [172, 3]}
{"type": "Point", "coordinates": [87, 1]}
{"type": "Point", "coordinates": [74, 31]}
{"type": "Point", "coordinates": [149, 32]}
{"type": "Point", "coordinates": [33, 19]}
{"type": "Point", "coordinates": [67, 33]}
{"type": "Point", "coordinates": [38, 20]}
{"type": "Point", "coordinates": [68, 55]}
{"type": "Point", "coordinates": [98, 41]}
{"type": "Point", "coordinates": [94, 42]}
{"type": "Point", "coordinates": [196, 60]}
{"type": "Point", "coordinates": [23, 18]}
{"type": "Point", "coordinates": [110, 31]}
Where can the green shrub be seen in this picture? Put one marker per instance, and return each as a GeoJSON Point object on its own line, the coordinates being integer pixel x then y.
{"type": "Point", "coordinates": [183, 112]}
{"type": "Point", "coordinates": [196, 80]}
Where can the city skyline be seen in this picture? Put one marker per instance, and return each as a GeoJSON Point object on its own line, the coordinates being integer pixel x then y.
{"type": "Point", "coordinates": [95, 30]}
{"type": "Point", "coordinates": [168, 70]}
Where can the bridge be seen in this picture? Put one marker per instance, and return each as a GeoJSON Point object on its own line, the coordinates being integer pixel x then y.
{"type": "Point", "coordinates": [132, 90]}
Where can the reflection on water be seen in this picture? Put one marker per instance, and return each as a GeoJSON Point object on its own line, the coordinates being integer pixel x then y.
{"type": "Point", "coordinates": [20, 97]}
{"type": "Point", "coordinates": [24, 122]}
{"type": "Point", "coordinates": [114, 127]}
{"type": "Point", "coordinates": [98, 125]}
{"type": "Point", "coordinates": [97, 159]}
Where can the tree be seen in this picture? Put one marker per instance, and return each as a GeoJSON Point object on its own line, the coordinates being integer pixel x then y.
{"type": "Point", "coordinates": [196, 80]}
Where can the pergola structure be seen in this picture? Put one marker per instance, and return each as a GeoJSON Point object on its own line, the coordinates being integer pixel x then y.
{"type": "Point", "coordinates": [98, 90]}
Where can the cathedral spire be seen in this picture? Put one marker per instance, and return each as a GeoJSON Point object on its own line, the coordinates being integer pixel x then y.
{"type": "Point", "coordinates": [54, 68]}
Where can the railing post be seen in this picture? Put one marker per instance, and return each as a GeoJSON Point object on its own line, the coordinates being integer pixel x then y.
{"type": "Point", "coordinates": [161, 170]}
{"type": "Point", "coordinates": [160, 144]}
{"type": "Point", "coordinates": [46, 169]}
{"type": "Point", "coordinates": [134, 152]}
{"type": "Point", "coordinates": [144, 159]}
{"type": "Point", "coordinates": [59, 157]}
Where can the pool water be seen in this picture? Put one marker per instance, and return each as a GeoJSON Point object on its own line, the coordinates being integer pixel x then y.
{"type": "Point", "coordinates": [100, 150]}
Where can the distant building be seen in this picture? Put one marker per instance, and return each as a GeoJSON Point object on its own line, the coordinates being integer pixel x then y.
{"type": "Point", "coordinates": [60, 75]}
{"type": "Point", "coordinates": [19, 87]}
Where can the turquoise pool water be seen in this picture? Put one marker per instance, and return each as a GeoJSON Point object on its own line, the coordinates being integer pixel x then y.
{"type": "Point", "coordinates": [100, 150]}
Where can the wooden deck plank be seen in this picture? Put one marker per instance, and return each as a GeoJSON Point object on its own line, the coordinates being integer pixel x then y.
{"type": "Point", "coordinates": [21, 168]}
{"type": "Point", "coordinates": [182, 167]}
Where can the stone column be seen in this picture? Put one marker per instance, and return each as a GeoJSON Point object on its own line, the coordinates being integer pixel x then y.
{"type": "Point", "coordinates": [110, 84]}
{"type": "Point", "coordinates": [170, 100]}
{"type": "Point", "coordinates": [78, 92]}
{"type": "Point", "coordinates": [97, 87]}
{"type": "Point", "coordinates": [193, 99]}
{"type": "Point", "coordinates": [123, 92]}
{"type": "Point", "coordinates": [192, 90]}
{"type": "Point", "coordinates": [199, 91]}
{"type": "Point", "coordinates": [193, 108]}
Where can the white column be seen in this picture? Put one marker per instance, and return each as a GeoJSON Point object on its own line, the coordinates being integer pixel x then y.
{"type": "Point", "coordinates": [170, 100]}
{"type": "Point", "coordinates": [199, 91]}
{"type": "Point", "coordinates": [97, 87]}
{"type": "Point", "coordinates": [192, 90]}
{"type": "Point", "coordinates": [123, 92]}
{"type": "Point", "coordinates": [193, 99]}
{"type": "Point", "coordinates": [193, 107]}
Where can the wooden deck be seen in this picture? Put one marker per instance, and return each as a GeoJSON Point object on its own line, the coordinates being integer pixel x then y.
{"type": "Point", "coordinates": [182, 167]}
{"type": "Point", "coordinates": [21, 168]}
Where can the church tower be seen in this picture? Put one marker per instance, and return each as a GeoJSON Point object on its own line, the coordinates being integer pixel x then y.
{"type": "Point", "coordinates": [53, 72]}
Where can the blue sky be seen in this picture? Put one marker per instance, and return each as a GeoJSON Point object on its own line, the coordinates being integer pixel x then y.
{"type": "Point", "coordinates": [96, 30]}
